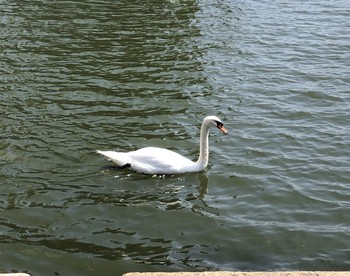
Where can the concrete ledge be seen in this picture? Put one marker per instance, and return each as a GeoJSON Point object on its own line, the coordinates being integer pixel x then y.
{"type": "Point", "coordinates": [237, 273]}
{"type": "Point", "coordinates": [14, 274]}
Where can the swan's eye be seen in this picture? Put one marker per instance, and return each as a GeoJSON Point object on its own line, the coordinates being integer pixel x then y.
{"type": "Point", "coordinates": [219, 124]}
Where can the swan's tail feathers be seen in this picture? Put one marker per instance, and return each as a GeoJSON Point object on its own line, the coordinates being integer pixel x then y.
{"type": "Point", "coordinates": [120, 158]}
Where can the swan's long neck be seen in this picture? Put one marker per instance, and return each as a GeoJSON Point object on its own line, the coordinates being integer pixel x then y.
{"type": "Point", "coordinates": [203, 147]}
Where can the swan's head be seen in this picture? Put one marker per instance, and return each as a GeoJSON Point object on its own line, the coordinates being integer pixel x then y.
{"type": "Point", "coordinates": [215, 121]}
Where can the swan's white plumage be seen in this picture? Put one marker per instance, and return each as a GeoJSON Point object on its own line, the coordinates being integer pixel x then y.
{"type": "Point", "coordinates": [153, 160]}
{"type": "Point", "coordinates": [150, 160]}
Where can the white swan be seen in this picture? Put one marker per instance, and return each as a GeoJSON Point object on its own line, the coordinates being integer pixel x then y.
{"type": "Point", "coordinates": [152, 160]}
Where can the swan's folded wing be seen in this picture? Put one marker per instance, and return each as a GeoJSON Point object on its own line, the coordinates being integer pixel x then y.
{"type": "Point", "coordinates": [153, 160]}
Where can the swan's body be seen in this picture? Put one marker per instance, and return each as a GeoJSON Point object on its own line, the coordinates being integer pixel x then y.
{"type": "Point", "coordinates": [152, 160]}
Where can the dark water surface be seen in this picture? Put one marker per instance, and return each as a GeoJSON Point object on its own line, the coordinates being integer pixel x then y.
{"type": "Point", "coordinates": [77, 76]}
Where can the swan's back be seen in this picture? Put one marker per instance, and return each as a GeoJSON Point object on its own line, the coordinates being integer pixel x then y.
{"type": "Point", "coordinates": [152, 160]}
{"type": "Point", "coordinates": [158, 160]}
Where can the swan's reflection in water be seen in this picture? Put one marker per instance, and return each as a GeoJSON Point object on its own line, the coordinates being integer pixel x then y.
{"type": "Point", "coordinates": [164, 191]}
{"type": "Point", "coordinates": [203, 185]}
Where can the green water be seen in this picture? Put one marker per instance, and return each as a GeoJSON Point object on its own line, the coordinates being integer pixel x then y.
{"type": "Point", "coordinates": [77, 76]}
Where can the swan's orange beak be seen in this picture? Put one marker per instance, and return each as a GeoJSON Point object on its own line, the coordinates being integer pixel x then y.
{"type": "Point", "coordinates": [222, 129]}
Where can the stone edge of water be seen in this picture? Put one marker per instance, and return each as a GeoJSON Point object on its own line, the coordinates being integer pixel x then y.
{"type": "Point", "coordinates": [14, 274]}
{"type": "Point", "coordinates": [239, 273]}
{"type": "Point", "coordinates": [225, 273]}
